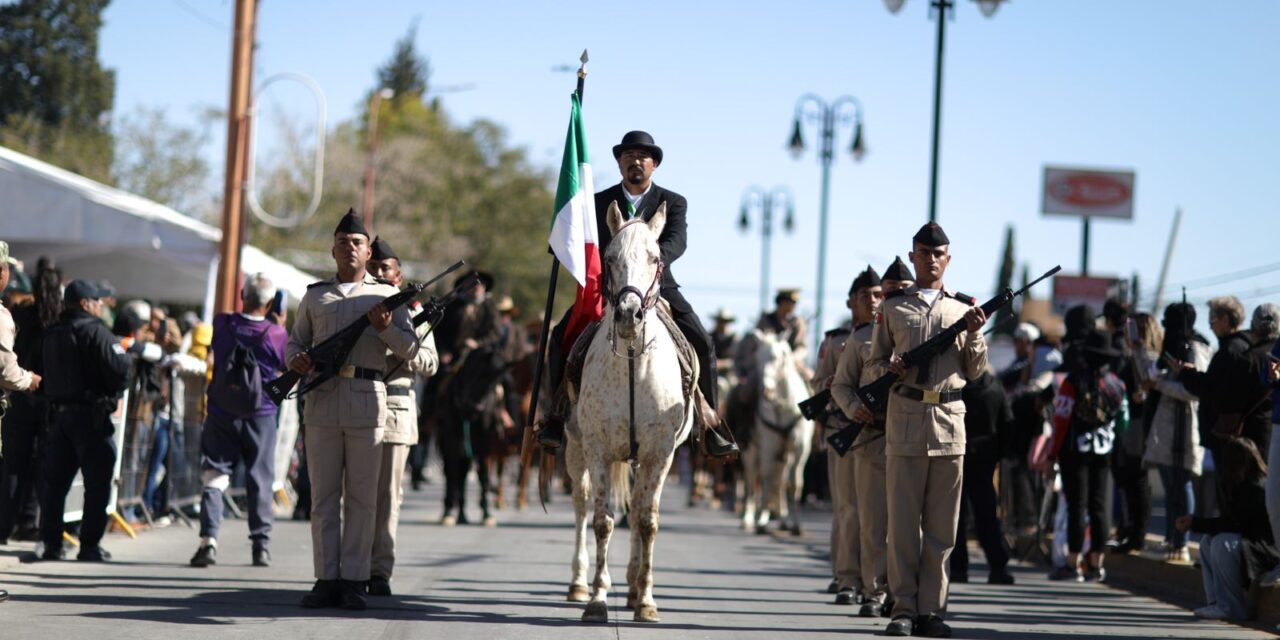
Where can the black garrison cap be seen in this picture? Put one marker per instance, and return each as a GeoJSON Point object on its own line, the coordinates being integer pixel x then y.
{"type": "Point", "coordinates": [898, 271]}
{"type": "Point", "coordinates": [868, 278]}
{"type": "Point", "coordinates": [931, 235]}
{"type": "Point", "coordinates": [351, 223]}
{"type": "Point", "coordinates": [382, 250]}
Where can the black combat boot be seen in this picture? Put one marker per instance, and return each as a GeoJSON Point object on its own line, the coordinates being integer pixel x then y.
{"type": "Point", "coordinates": [713, 444]}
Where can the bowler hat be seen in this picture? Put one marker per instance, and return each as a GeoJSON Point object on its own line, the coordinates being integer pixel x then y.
{"type": "Point", "coordinates": [638, 140]}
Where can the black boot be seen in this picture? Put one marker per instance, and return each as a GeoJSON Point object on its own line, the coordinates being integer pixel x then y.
{"type": "Point", "coordinates": [713, 444]}
{"type": "Point", "coordinates": [551, 432]}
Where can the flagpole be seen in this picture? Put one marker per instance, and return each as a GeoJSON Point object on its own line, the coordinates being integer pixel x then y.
{"type": "Point", "coordinates": [526, 443]}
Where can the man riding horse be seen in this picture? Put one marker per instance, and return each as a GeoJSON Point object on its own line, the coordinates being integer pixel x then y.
{"type": "Point", "coordinates": [637, 196]}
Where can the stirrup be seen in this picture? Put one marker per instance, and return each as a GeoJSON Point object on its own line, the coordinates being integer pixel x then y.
{"type": "Point", "coordinates": [716, 445]}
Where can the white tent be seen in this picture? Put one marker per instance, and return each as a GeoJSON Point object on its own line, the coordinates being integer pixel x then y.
{"type": "Point", "coordinates": [95, 232]}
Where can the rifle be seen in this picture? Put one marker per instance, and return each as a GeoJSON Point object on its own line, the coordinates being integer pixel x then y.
{"type": "Point", "coordinates": [330, 355]}
{"type": "Point", "coordinates": [876, 394]}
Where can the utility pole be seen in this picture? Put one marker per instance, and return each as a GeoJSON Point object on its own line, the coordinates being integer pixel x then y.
{"type": "Point", "coordinates": [228, 285]}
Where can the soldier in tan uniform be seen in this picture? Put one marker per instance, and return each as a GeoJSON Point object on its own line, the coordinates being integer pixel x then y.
{"type": "Point", "coordinates": [846, 556]}
{"type": "Point", "coordinates": [12, 376]}
{"type": "Point", "coordinates": [868, 450]}
{"type": "Point", "coordinates": [924, 433]}
{"type": "Point", "coordinates": [401, 431]}
{"type": "Point", "coordinates": [345, 416]}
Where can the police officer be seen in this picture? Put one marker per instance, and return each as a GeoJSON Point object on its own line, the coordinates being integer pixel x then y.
{"type": "Point", "coordinates": [402, 427]}
{"type": "Point", "coordinates": [925, 437]}
{"type": "Point", "coordinates": [345, 415]}
{"type": "Point", "coordinates": [846, 555]}
{"type": "Point", "coordinates": [82, 394]}
{"type": "Point", "coordinates": [783, 321]}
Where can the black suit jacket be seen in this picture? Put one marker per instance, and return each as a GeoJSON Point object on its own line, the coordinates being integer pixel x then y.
{"type": "Point", "coordinates": [671, 242]}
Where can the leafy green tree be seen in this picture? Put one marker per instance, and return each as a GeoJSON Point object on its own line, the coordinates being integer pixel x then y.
{"type": "Point", "coordinates": [55, 96]}
{"type": "Point", "coordinates": [406, 72]}
{"type": "Point", "coordinates": [162, 161]}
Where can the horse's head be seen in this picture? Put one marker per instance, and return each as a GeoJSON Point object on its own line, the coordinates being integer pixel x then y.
{"type": "Point", "coordinates": [775, 363]}
{"type": "Point", "coordinates": [632, 269]}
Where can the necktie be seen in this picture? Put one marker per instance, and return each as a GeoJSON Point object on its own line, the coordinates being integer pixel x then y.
{"type": "Point", "coordinates": [631, 209]}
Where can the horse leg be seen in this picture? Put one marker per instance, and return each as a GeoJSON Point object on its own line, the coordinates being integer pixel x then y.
{"type": "Point", "coordinates": [598, 607]}
{"type": "Point", "coordinates": [522, 481]}
{"type": "Point", "coordinates": [482, 475]}
{"type": "Point", "coordinates": [499, 458]}
{"type": "Point", "coordinates": [578, 591]}
{"type": "Point", "coordinates": [648, 494]}
{"type": "Point", "coordinates": [750, 479]}
{"type": "Point", "coordinates": [800, 457]}
{"type": "Point", "coordinates": [770, 479]}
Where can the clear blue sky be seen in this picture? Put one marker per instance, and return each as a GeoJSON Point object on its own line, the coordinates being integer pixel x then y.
{"type": "Point", "coordinates": [1179, 91]}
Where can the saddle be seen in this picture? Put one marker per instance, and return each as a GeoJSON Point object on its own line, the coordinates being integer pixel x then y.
{"type": "Point", "coordinates": [685, 354]}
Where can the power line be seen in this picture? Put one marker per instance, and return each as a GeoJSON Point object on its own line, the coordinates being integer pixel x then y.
{"type": "Point", "coordinates": [201, 15]}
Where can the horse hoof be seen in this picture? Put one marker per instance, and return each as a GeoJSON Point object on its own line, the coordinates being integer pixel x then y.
{"type": "Point", "coordinates": [597, 611]}
{"type": "Point", "coordinates": [448, 521]}
{"type": "Point", "coordinates": [797, 531]}
{"type": "Point", "coordinates": [761, 530]}
{"type": "Point", "coordinates": [492, 522]}
{"type": "Point", "coordinates": [579, 593]}
{"type": "Point", "coordinates": [647, 613]}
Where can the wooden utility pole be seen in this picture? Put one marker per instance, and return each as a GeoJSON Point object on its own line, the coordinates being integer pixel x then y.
{"type": "Point", "coordinates": [228, 285]}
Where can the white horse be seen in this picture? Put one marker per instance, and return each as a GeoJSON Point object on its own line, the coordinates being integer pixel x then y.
{"type": "Point", "coordinates": [631, 396]}
{"type": "Point", "coordinates": [773, 465]}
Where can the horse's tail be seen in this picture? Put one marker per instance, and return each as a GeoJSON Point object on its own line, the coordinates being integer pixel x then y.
{"type": "Point", "coordinates": [620, 486]}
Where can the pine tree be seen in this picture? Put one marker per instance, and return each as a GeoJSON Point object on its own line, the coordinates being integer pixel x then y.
{"type": "Point", "coordinates": [406, 73]}
{"type": "Point", "coordinates": [1004, 317]}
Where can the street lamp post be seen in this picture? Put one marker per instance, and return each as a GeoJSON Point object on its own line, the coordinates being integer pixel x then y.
{"type": "Point", "coordinates": [766, 201]}
{"type": "Point", "coordinates": [375, 103]}
{"type": "Point", "coordinates": [829, 117]}
{"type": "Point", "coordinates": [988, 8]}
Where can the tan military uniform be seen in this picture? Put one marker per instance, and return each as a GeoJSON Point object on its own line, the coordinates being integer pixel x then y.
{"type": "Point", "coordinates": [869, 466]}
{"type": "Point", "coordinates": [12, 376]}
{"type": "Point", "coordinates": [344, 420]}
{"type": "Point", "coordinates": [400, 433]}
{"type": "Point", "coordinates": [924, 444]}
{"type": "Point", "coordinates": [845, 552]}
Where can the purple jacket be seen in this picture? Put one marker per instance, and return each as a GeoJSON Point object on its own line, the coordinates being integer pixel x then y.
{"type": "Point", "coordinates": [269, 350]}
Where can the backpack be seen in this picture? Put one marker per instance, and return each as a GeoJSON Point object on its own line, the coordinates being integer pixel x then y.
{"type": "Point", "coordinates": [237, 380]}
{"type": "Point", "coordinates": [1098, 401]}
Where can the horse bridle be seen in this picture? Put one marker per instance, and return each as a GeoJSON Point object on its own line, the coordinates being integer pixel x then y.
{"type": "Point", "coordinates": [649, 298]}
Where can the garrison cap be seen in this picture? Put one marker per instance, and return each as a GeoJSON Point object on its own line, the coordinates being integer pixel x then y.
{"type": "Point", "coordinates": [351, 223]}
{"type": "Point", "coordinates": [898, 271]}
{"type": "Point", "coordinates": [868, 278]}
{"type": "Point", "coordinates": [382, 250]}
{"type": "Point", "coordinates": [931, 235]}
{"type": "Point", "coordinates": [792, 295]}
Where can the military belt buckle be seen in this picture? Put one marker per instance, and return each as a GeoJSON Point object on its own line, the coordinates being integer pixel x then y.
{"type": "Point", "coordinates": [931, 396]}
{"type": "Point", "coordinates": [347, 371]}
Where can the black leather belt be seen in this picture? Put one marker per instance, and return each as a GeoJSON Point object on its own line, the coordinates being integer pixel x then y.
{"type": "Point", "coordinates": [928, 396]}
{"type": "Point", "coordinates": [352, 371]}
{"type": "Point", "coordinates": [399, 391]}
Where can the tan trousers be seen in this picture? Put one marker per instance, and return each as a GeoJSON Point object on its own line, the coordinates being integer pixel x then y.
{"type": "Point", "coordinates": [922, 530]}
{"type": "Point", "coordinates": [845, 554]}
{"type": "Point", "coordinates": [873, 518]}
{"type": "Point", "coordinates": [344, 465]}
{"type": "Point", "coordinates": [390, 495]}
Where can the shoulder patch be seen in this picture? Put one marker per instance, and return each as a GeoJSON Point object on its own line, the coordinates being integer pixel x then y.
{"type": "Point", "coordinates": [894, 294]}
{"type": "Point", "coordinates": [969, 300]}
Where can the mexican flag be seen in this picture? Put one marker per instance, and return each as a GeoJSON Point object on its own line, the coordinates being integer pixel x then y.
{"type": "Point", "coordinates": [573, 229]}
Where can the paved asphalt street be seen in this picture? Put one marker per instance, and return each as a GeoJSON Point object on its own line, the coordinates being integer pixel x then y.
{"type": "Point", "coordinates": [712, 581]}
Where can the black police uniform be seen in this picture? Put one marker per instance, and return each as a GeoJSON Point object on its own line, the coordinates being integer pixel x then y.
{"type": "Point", "coordinates": [86, 369]}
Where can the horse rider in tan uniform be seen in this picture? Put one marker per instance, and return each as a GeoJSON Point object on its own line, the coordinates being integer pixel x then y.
{"type": "Point", "coordinates": [868, 450]}
{"type": "Point", "coordinates": [784, 322]}
{"type": "Point", "coordinates": [846, 557]}
{"type": "Point", "coordinates": [925, 436]}
{"type": "Point", "coordinates": [346, 415]}
{"type": "Point", "coordinates": [401, 430]}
